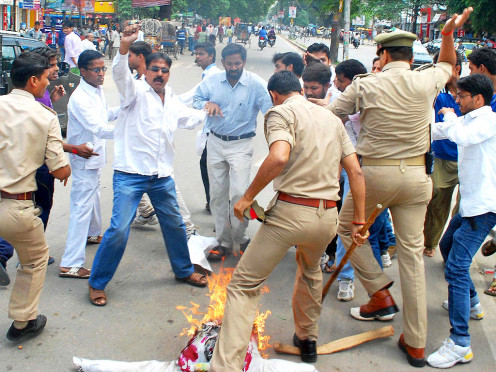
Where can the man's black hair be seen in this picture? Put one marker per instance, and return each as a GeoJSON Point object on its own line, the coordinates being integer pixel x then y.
{"type": "Point", "coordinates": [484, 56]}
{"type": "Point", "coordinates": [37, 23]}
{"type": "Point", "coordinates": [317, 72]}
{"type": "Point", "coordinates": [87, 57]}
{"type": "Point", "coordinates": [231, 49]}
{"type": "Point", "coordinates": [209, 49]}
{"type": "Point", "coordinates": [459, 59]}
{"type": "Point", "coordinates": [284, 82]}
{"type": "Point", "coordinates": [375, 60]}
{"type": "Point", "coordinates": [319, 47]}
{"type": "Point", "coordinates": [141, 47]}
{"type": "Point", "coordinates": [350, 68]}
{"type": "Point", "coordinates": [398, 53]}
{"type": "Point", "coordinates": [47, 52]}
{"type": "Point", "coordinates": [158, 55]}
{"type": "Point", "coordinates": [477, 84]}
{"type": "Point", "coordinates": [68, 24]}
{"type": "Point", "coordinates": [26, 65]}
{"type": "Point", "coordinates": [290, 58]}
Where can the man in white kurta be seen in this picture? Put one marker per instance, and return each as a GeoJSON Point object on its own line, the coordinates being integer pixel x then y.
{"type": "Point", "coordinates": [88, 114]}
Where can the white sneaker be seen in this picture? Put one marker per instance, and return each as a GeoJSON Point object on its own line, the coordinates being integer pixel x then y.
{"type": "Point", "coordinates": [141, 221]}
{"type": "Point", "coordinates": [346, 290]}
{"type": "Point", "coordinates": [386, 260]}
{"type": "Point", "coordinates": [476, 311]}
{"type": "Point", "coordinates": [449, 354]}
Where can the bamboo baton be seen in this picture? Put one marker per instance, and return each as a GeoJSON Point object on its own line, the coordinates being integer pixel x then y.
{"type": "Point", "coordinates": [348, 254]}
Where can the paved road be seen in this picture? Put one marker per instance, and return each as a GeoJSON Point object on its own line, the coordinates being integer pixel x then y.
{"type": "Point", "coordinates": [140, 321]}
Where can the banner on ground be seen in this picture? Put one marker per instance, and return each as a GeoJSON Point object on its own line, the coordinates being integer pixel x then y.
{"type": "Point", "coordinates": [149, 3]}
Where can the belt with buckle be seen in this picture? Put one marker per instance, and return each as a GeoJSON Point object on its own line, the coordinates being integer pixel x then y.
{"type": "Point", "coordinates": [315, 203]}
{"type": "Point", "coordinates": [21, 196]}
{"type": "Point", "coordinates": [233, 138]}
{"type": "Point", "coordinates": [416, 160]}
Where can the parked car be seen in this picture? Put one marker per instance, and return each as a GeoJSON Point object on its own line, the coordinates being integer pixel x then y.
{"type": "Point", "coordinates": [12, 45]}
{"type": "Point", "coordinates": [468, 48]}
{"type": "Point", "coordinates": [420, 55]}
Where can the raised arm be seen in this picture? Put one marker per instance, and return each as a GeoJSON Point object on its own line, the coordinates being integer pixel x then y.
{"type": "Point", "coordinates": [447, 51]}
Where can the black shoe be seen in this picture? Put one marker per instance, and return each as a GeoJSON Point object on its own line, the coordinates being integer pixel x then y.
{"type": "Point", "coordinates": [243, 246]}
{"type": "Point", "coordinates": [308, 349]}
{"type": "Point", "coordinates": [4, 276]}
{"type": "Point", "coordinates": [34, 327]}
{"type": "Point", "coordinates": [219, 252]}
{"type": "Point", "coordinates": [207, 207]}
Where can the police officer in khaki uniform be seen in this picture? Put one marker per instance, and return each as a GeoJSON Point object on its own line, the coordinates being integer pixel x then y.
{"type": "Point", "coordinates": [307, 144]}
{"type": "Point", "coordinates": [30, 135]}
{"type": "Point", "coordinates": [395, 111]}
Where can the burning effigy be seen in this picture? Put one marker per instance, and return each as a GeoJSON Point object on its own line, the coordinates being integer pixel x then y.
{"type": "Point", "coordinates": [204, 328]}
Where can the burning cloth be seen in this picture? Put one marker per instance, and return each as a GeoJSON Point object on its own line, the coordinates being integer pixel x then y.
{"type": "Point", "coordinates": [195, 357]}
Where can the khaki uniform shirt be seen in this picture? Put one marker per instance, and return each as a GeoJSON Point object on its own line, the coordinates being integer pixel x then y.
{"type": "Point", "coordinates": [318, 143]}
{"type": "Point", "coordinates": [395, 109]}
{"type": "Point", "coordinates": [29, 136]}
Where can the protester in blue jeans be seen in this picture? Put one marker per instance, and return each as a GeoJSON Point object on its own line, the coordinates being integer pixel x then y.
{"type": "Point", "coordinates": [6, 252]}
{"type": "Point", "coordinates": [143, 157]}
{"type": "Point", "coordinates": [475, 135]}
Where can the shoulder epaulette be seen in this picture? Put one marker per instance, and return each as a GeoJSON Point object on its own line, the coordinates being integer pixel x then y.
{"type": "Point", "coordinates": [424, 67]}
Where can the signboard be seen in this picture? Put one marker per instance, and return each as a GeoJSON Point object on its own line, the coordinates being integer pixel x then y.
{"type": "Point", "coordinates": [280, 14]}
{"type": "Point", "coordinates": [53, 4]}
{"type": "Point", "coordinates": [149, 3]}
{"type": "Point", "coordinates": [6, 2]}
{"type": "Point", "coordinates": [5, 19]}
{"type": "Point", "coordinates": [30, 4]}
{"type": "Point", "coordinates": [292, 12]}
{"type": "Point", "coordinates": [226, 21]}
{"type": "Point", "coordinates": [104, 7]}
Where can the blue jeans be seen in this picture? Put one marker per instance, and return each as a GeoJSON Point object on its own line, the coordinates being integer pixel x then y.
{"type": "Point", "coordinates": [347, 272]}
{"type": "Point", "coordinates": [458, 246]}
{"type": "Point", "coordinates": [6, 252]}
{"type": "Point", "coordinates": [191, 43]}
{"type": "Point", "coordinates": [128, 189]}
{"type": "Point", "coordinates": [379, 238]}
{"type": "Point", "coordinates": [181, 44]}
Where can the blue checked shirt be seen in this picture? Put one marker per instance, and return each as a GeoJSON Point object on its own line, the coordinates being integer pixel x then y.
{"type": "Point", "coordinates": [239, 104]}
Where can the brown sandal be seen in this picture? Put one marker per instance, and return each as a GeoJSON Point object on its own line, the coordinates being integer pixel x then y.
{"type": "Point", "coordinates": [491, 291]}
{"type": "Point", "coordinates": [195, 279]}
{"type": "Point", "coordinates": [97, 297]}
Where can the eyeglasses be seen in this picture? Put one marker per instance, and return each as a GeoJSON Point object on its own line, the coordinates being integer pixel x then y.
{"type": "Point", "coordinates": [164, 70]}
{"type": "Point", "coordinates": [458, 95]}
{"type": "Point", "coordinates": [98, 69]}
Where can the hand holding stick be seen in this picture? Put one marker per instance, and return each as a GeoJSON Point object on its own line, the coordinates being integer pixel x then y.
{"type": "Point", "coordinates": [348, 254]}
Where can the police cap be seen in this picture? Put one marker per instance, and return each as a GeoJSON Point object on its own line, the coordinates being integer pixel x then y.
{"type": "Point", "coordinates": [396, 38]}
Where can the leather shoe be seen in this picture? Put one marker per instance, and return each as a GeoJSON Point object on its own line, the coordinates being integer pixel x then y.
{"type": "Point", "coordinates": [308, 349]}
{"type": "Point", "coordinates": [381, 306]}
{"type": "Point", "coordinates": [415, 356]}
{"type": "Point", "coordinates": [488, 248]}
{"type": "Point", "coordinates": [34, 327]}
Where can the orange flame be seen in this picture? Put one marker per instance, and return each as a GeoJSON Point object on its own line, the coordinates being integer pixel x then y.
{"type": "Point", "coordinates": [217, 284]}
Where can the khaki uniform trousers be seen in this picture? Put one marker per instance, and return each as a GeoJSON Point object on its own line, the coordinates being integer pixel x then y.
{"type": "Point", "coordinates": [406, 191]}
{"type": "Point", "coordinates": [21, 227]}
{"type": "Point", "coordinates": [286, 225]}
{"type": "Point", "coordinates": [444, 181]}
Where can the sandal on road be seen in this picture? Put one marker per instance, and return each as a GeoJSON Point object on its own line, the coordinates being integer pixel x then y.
{"type": "Point", "coordinates": [94, 239]}
{"type": "Point", "coordinates": [491, 291]}
{"type": "Point", "coordinates": [195, 279]}
{"type": "Point", "coordinates": [74, 272]}
{"type": "Point", "coordinates": [97, 297]}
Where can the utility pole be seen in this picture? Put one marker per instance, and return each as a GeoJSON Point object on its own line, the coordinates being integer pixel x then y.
{"type": "Point", "coordinates": [346, 36]}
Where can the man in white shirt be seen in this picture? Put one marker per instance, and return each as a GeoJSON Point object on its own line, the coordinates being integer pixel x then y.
{"type": "Point", "coordinates": [72, 46]}
{"type": "Point", "coordinates": [116, 39]}
{"type": "Point", "coordinates": [143, 157]}
{"type": "Point", "coordinates": [205, 58]}
{"type": "Point", "coordinates": [89, 115]}
{"type": "Point", "coordinates": [87, 43]}
{"type": "Point", "coordinates": [475, 135]}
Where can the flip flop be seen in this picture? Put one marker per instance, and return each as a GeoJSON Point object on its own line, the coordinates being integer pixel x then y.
{"type": "Point", "coordinates": [97, 294]}
{"type": "Point", "coordinates": [194, 279]}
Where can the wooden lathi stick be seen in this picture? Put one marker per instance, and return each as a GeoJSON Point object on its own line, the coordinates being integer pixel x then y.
{"type": "Point", "coordinates": [342, 343]}
{"type": "Point", "coordinates": [348, 253]}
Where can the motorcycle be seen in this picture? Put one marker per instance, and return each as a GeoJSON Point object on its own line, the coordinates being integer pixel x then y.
{"type": "Point", "coordinates": [262, 42]}
{"type": "Point", "coordinates": [356, 43]}
{"type": "Point", "coordinates": [272, 41]}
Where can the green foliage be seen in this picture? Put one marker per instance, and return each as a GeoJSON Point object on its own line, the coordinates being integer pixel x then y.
{"type": "Point", "coordinates": [482, 18]}
{"type": "Point", "coordinates": [126, 11]}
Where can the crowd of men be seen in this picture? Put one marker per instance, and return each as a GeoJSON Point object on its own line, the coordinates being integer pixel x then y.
{"type": "Point", "coordinates": [331, 133]}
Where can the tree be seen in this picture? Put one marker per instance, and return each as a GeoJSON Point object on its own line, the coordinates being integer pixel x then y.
{"type": "Point", "coordinates": [483, 16]}
{"type": "Point", "coordinates": [126, 11]}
